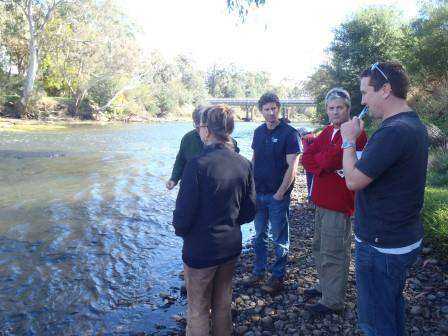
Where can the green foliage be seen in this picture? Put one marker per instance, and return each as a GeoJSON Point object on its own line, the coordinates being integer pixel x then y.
{"type": "Point", "coordinates": [435, 210]}
{"type": "Point", "coordinates": [12, 42]}
{"type": "Point", "coordinates": [427, 61]}
{"type": "Point", "coordinates": [234, 82]}
{"type": "Point", "coordinates": [165, 102]}
{"type": "Point", "coordinates": [435, 217]}
{"type": "Point", "coordinates": [429, 35]}
{"type": "Point", "coordinates": [438, 167]}
{"type": "Point", "coordinates": [431, 102]}
{"type": "Point", "coordinates": [370, 35]}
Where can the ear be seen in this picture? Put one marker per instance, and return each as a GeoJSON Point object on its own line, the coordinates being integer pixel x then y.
{"type": "Point", "coordinates": [386, 90]}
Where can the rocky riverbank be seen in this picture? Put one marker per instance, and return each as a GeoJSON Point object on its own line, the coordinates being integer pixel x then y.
{"type": "Point", "coordinates": [257, 313]}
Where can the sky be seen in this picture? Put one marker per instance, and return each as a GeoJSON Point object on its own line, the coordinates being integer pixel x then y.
{"type": "Point", "coordinates": [286, 38]}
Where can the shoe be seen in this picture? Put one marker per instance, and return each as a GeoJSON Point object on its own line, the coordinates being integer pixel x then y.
{"type": "Point", "coordinates": [273, 286]}
{"type": "Point", "coordinates": [319, 309]}
{"type": "Point", "coordinates": [311, 292]}
{"type": "Point", "coordinates": [253, 280]}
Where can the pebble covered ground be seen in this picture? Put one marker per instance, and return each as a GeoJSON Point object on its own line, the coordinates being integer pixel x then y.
{"type": "Point", "coordinates": [258, 313]}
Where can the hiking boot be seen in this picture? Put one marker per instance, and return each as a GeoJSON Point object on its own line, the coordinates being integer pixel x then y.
{"type": "Point", "coordinates": [253, 280]}
{"type": "Point", "coordinates": [319, 309]}
{"type": "Point", "coordinates": [273, 286]}
{"type": "Point", "coordinates": [311, 293]}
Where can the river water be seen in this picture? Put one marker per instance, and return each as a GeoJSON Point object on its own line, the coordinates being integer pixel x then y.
{"type": "Point", "coordinates": [86, 243]}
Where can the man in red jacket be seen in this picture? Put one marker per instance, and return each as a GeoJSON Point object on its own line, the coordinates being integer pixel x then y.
{"type": "Point", "coordinates": [334, 206]}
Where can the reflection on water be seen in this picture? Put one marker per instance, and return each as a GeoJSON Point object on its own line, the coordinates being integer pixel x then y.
{"type": "Point", "coordinates": [86, 243]}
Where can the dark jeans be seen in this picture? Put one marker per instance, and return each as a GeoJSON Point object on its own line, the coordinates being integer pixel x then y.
{"type": "Point", "coordinates": [380, 280]}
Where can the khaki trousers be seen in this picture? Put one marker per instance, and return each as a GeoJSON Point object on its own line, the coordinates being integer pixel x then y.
{"type": "Point", "coordinates": [209, 294]}
{"type": "Point", "coordinates": [331, 251]}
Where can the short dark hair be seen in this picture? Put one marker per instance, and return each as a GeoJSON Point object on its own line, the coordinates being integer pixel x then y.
{"type": "Point", "coordinates": [396, 77]}
{"type": "Point", "coordinates": [268, 97]}
{"type": "Point", "coordinates": [220, 121]}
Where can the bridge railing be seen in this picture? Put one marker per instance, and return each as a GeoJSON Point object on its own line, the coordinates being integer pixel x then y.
{"type": "Point", "coordinates": [306, 101]}
{"type": "Point", "coordinates": [251, 104]}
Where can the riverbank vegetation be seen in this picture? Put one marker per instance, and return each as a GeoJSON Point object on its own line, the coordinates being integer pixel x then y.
{"type": "Point", "coordinates": [82, 59]}
{"type": "Point", "coordinates": [435, 212]}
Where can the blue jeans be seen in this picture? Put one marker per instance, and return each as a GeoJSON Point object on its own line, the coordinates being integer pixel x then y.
{"type": "Point", "coordinates": [275, 212]}
{"type": "Point", "coordinates": [380, 280]}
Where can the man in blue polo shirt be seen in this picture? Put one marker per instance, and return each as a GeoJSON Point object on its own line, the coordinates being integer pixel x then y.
{"type": "Point", "coordinates": [390, 181]}
{"type": "Point", "coordinates": [275, 158]}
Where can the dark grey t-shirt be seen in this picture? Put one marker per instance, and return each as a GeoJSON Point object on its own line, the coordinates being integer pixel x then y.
{"type": "Point", "coordinates": [388, 210]}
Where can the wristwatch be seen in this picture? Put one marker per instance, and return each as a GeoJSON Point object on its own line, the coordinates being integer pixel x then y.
{"type": "Point", "coordinates": [347, 144]}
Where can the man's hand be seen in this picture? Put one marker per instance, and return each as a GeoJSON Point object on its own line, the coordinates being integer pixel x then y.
{"type": "Point", "coordinates": [170, 184]}
{"type": "Point", "coordinates": [351, 129]}
{"type": "Point", "coordinates": [278, 196]}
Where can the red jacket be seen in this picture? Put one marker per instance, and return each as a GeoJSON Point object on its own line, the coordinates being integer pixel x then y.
{"type": "Point", "coordinates": [323, 158]}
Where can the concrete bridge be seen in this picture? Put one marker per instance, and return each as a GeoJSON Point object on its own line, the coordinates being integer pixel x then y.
{"type": "Point", "coordinates": [251, 104]}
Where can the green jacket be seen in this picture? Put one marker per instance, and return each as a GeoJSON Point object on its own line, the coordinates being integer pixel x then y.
{"type": "Point", "coordinates": [190, 146]}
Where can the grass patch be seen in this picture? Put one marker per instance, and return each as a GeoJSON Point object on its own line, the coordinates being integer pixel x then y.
{"type": "Point", "coordinates": [435, 218]}
{"type": "Point", "coordinates": [11, 127]}
{"type": "Point", "coordinates": [438, 167]}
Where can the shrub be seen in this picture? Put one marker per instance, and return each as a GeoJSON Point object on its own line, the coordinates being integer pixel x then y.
{"type": "Point", "coordinates": [438, 167]}
{"type": "Point", "coordinates": [435, 218]}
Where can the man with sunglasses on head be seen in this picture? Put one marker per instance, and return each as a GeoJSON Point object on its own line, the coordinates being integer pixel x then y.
{"type": "Point", "coordinates": [334, 206]}
{"type": "Point", "coordinates": [390, 181]}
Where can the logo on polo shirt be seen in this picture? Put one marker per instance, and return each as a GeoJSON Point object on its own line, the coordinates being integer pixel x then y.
{"type": "Point", "coordinates": [274, 140]}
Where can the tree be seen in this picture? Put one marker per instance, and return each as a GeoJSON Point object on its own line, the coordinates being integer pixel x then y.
{"type": "Point", "coordinates": [37, 14]}
{"type": "Point", "coordinates": [234, 82]}
{"type": "Point", "coordinates": [427, 61]}
{"type": "Point", "coordinates": [13, 42]}
{"type": "Point", "coordinates": [429, 36]}
{"type": "Point", "coordinates": [82, 60]}
{"type": "Point", "coordinates": [370, 35]}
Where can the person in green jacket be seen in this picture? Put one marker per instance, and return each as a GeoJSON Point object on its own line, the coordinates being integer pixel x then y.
{"type": "Point", "coordinates": [190, 146]}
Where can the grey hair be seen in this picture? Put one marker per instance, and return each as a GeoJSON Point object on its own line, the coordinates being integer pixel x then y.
{"type": "Point", "coordinates": [338, 93]}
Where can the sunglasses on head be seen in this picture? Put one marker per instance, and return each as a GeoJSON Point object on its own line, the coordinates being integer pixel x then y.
{"type": "Point", "coordinates": [338, 93]}
{"type": "Point", "coordinates": [377, 67]}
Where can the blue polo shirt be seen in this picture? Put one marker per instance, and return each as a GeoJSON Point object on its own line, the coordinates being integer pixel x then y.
{"type": "Point", "coordinates": [270, 149]}
{"type": "Point", "coordinates": [396, 156]}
